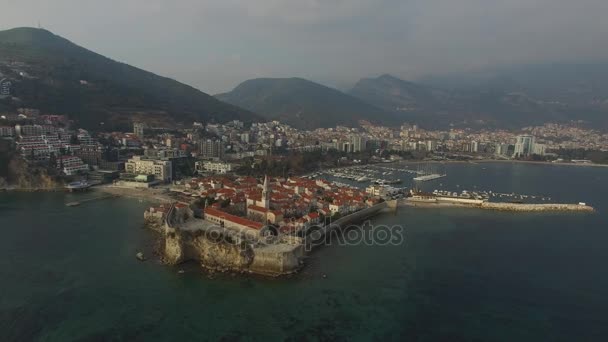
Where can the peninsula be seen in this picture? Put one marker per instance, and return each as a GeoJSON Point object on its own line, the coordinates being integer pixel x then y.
{"type": "Point", "coordinates": [247, 225]}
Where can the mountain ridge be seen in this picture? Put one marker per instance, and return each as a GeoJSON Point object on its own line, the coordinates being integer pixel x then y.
{"type": "Point", "coordinates": [66, 78]}
{"type": "Point", "coordinates": [502, 101]}
{"type": "Point", "coordinates": [302, 103]}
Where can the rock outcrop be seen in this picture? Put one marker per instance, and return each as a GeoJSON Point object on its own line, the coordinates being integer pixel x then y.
{"type": "Point", "coordinates": [212, 250]}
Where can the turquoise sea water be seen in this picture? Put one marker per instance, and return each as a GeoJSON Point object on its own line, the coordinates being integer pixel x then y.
{"type": "Point", "coordinates": [70, 274]}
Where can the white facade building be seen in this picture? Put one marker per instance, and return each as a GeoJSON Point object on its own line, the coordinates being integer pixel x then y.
{"type": "Point", "coordinates": [71, 165]}
{"type": "Point", "coordinates": [524, 146]}
{"type": "Point", "coordinates": [161, 169]}
{"type": "Point", "coordinates": [216, 167]}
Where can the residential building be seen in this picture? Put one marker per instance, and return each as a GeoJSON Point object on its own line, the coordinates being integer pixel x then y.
{"type": "Point", "coordinates": [71, 165]}
{"type": "Point", "coordinates": [216, 167]}
{"type": "Point", "coordinates": [7, 131]}
{"type": "Point", "coordinates": [138, 129]}
{"type": "Point", "coordinates": [161, 169]}
{"type": "Point", "coordinates": [358, 143]}
{"type": "Point", "coordinates": [5, 87]}
{"type": "Point", "coordinates": [29, 130]}
{"type": "Point", "coordinates": [212, 149]}
{"type": "Point", "coordinates": [524, 146]}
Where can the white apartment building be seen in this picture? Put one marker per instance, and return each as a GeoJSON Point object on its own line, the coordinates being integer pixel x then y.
{"type": "Point", "coordinates": [216, 167]}
{"type": "Point", "coordinates": [71, 165]}
{"type": "Point", "coordinates": [161, 169]}
{"type": "Point", "coordinates": [7, 131]}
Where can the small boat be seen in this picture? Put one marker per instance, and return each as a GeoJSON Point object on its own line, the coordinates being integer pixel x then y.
{"type": "Point", "coordinates": [140, 256]}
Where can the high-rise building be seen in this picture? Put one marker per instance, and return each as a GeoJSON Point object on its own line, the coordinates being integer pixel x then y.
{"type": "Point", "coordinates": [501, 149]}
{"type": "Point", "coordinates": [539, 149]}
{"type": "Point", "coordinates": [358, 143]}
{"type": "Point", "coordinates": [524, 146]}
{"type": "Point", "coordinates": [212, 149]}
{"type": "Point", "coordinates": [474, 146]}
{"type": "Point", "coordinates": [138, 129]}
{"type": "Point", "coordinates": [5, 87]}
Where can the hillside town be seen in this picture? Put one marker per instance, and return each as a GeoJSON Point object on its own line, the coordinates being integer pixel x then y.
{"type": "Point", "coordinates": [148, 156]}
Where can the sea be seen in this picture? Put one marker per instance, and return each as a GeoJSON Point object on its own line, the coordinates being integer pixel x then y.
{"type": "Point", "coordinates": [458, 274]}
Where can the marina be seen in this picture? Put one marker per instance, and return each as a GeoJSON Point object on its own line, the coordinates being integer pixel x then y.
{"type": "Point", "coordinates": [421, 174]}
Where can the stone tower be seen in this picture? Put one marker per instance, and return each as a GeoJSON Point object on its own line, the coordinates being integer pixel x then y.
{"type": "Point", "coordinates": [265, 199]}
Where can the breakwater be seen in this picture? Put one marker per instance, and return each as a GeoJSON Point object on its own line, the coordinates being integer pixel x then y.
{"type": "Point", "coordinates": [503, 206]}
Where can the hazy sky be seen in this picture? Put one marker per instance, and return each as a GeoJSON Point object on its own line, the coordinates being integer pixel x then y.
{"type": "Point", "coordinates": [215, 44]}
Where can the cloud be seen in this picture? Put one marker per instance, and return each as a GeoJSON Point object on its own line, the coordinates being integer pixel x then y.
{"type": "Point", "coordinates": [215, 44]}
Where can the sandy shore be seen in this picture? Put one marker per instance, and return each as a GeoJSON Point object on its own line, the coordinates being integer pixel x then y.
{"type": "Point", "coordinates": [154, 195]}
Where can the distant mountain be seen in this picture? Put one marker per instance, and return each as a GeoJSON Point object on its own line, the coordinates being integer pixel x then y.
{"type": "Point", "coordinates": [391, 93]}
{"type": "Point", "coordinates": [302, 103]}
{"type": "Point", "coordinates": [513, 99]}
{"type": "Point", "coordinates": [55, 75]}
{"type": "Point", "coordinates": [569, 83]}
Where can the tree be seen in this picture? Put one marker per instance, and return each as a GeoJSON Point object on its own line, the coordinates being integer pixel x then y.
{"type": "Point", "coordinates": [52, 161]}
{"type": "Point", "coordinates": [74, 140]}
{"type": "Point", "coordinates": [225, 203]}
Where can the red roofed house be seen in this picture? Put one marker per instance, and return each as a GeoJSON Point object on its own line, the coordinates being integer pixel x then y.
{"type": "Point", "coordinates": [223, 219]}
{"type": "Point", "coordinates": [266, 215]}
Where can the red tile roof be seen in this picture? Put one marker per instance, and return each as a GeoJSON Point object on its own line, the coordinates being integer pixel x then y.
{"type": "Point", "coordinates": [232, 218]}
{"type": "Point", "coordinates": [258, 208]}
